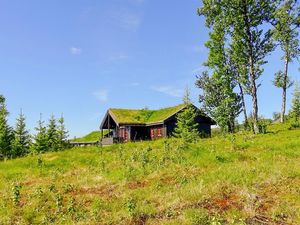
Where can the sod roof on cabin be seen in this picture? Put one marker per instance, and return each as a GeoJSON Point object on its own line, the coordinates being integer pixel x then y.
{"type": "Point", "coordinates": [143, 116]}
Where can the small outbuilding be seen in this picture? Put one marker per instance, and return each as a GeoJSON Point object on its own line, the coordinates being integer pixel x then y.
{"type": "Point", "coordinates": [132, 125]}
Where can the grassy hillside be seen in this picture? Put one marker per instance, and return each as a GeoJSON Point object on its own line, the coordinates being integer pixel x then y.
{"type": "Point", "coordinates": [93, 136]}
{"type": "Point", "coordinates": [241, 179]}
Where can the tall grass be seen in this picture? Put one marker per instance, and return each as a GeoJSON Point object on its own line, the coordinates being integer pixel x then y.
{"type": "Point", "coordinates": [244, 179]}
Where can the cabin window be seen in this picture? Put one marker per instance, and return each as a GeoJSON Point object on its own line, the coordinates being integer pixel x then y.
{"type": "Point", "coordinates": [152, 132]}
{"type": "Point", "coordinates": [159, 132]}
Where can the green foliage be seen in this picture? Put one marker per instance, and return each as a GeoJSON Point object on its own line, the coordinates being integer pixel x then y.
{"type": "Point", "coordinates": [286, 22]}
{"type": "Point", "coordinates": [6, 132]}
{"type": "Point", "coordinates": [131, 207]}
{"type": "Point", "coordinates": [52, 135]}
{"type": "Point", "coordinates": [22, 139]}
{"type": "Point", "coordinates": [186, 126]}
{"type": "Point", "coordinates": [241, 24]}
{"type": "Point", "coordinates": [62, 134]}
{"type": "Point", "coordinates": [16, 194]}
{"type": "Point", "coordinates": [218, 101]}
{"type": "Point", "coordinates": [295, 108]}
{"type": "Point", "coordinates": [281, 81]}
{"type": "Point", "coordinates": [40, 143]}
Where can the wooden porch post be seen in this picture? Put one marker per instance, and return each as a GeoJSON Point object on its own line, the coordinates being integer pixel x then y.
{"type": "Point", "coordinates": [108, 124]}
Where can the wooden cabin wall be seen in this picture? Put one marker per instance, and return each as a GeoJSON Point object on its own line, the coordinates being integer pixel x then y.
{"type": "Point", "coordinates": [158, 131]}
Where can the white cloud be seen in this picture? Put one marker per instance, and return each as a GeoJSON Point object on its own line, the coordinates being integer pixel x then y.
{"type": "Point", "coordinates": [75, 50]}
{"type": "Point", "coordinates": [169, 90]}
{"type": "Point", "coordinates": [101, 95]}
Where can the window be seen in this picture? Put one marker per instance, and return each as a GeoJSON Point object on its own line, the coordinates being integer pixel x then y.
{"type": "Point", "coordinates": [159, 132]}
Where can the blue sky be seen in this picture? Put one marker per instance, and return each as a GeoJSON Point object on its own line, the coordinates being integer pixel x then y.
{"type": "Point", "coordinates": [81, 57]}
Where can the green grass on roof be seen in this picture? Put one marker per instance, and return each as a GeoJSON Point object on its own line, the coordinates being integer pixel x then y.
{"type": "Point", "coordinates": [93, 136]}
{"type": "Point", "coordinates": [144, 115]}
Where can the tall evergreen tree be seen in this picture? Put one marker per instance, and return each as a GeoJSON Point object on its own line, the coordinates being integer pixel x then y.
{"type": "Point", "coordinates": [287, 20]}
{"type": "Point", "coordinates": [243, 20]}
{"type": "Point", "coordinates": [62, 134]}
{"type": "Point", "coordinates": [22, 138]}
{"type": "Point", "coordinates": [186, 126]}
{"type": "Point", "coordinates": [40, 143]}
{"type": "Point", "coordinates": [52, 134]}
{"type": "Point", "coordinates": [6, 132]}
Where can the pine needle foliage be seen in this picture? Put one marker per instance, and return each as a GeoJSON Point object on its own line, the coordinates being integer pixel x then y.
{"type": "Point", "coordinates": [22, 139]}
{"type": "Point", "coordinates": [52, 134]}
{"type": "Point", "coordinates": [186, 127]}
{"type": "Point", "coordinates": [40, 143]}
{"type": "Point", "coordinates": [62, 134]}
{"type": "Point", "coordinates": [6, 132]}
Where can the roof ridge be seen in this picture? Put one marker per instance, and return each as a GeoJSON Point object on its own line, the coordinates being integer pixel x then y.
{"type": "Point", "coordinates": [149, 109]}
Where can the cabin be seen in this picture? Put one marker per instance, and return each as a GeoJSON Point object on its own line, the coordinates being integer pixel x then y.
{"type": "Point", "coordinates": [125, 125]}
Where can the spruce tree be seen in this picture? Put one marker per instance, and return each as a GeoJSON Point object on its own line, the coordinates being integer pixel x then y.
{"type": "Point", "coordinates": [62, 134]}
{"type": "Point", "coordinates": [186, 126]}
{"type": "Point", "coordinates": [6, 132]}
{"type": "Point", "coordinates": [40, 143]}
{"type": "Point", "coordinates": [52, 134]}
{"type": "Point", "coordinates": [22, 138]}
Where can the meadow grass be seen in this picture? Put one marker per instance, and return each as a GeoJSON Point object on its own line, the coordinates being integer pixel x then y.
{"type": "Point", "coordinates": [231, 179]}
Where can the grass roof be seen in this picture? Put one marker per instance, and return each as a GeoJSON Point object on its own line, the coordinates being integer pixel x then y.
{"type": "Point", "coordinates": [142, 116]}
{"type": "Point", "coordinates": [93, 136]}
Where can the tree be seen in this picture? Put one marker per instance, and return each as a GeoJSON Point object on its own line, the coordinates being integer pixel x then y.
{"type": "Point", "coordinates": [22, 139]}
{"type": "Point", "coordinates": [62, 134]}
{"type": "Point", "coordinates": [218, 98]}
{"type": "Point", "coordinates": [295, 109]}
{"type": "Point", "coordinates": [282, 80]}
{"type": "Point", "coordinates": [52, 134]}
{"type": "Point", "coordinates": [186, 126]}
{"type": "Point", "coordinates": [243, 20]}
{"type": "Point", "coordinates": [40, 143]}
{"type": "Point", "coordinates": [186, 97]}
{"type": "Point", "coordinates": [287, 20]}
{"type": "Point", "coordinates": [6, 132]}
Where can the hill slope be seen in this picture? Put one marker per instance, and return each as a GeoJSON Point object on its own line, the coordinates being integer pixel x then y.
{"type": "Point", "coordinates": [242, 179]}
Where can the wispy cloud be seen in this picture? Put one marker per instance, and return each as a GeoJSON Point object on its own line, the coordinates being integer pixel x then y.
{"type": "Point", "coordinates": [118, 56]}
{"type": "Point", "coordinates": [127, 20]}
{"type": "Point", "coordinates": [101, 95]}
{"type": "Point", "coordinates": [75, 50]}
{"type": "Point", "coordinates": [169, 90]}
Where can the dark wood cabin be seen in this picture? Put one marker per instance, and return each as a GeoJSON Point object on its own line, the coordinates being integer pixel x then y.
{"type": "Point", "coordinates": [132, 125]}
